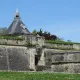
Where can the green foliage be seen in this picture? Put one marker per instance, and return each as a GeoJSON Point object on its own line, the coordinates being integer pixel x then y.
{"type": "Point", "coordinates": [37, 76]}
{"type": "Point", "coordinates": [60, 39]}
{"type": "Point", "coordinates": [47, 35]}
{"type": "Point", "coordinates": [3, 31]}
{"type": "Point", "coordinates": [28, 44]}
{"type": "Point", "coordinates": [68, 40]}
{"type": "Point", "coordinates": [34, 32]}
{"type": "Point", "coordinates": [40, 32]}
{"type": "Point", "coordinates": [58, 42]}
{"type": "Point", "coordinates": [11, 37]}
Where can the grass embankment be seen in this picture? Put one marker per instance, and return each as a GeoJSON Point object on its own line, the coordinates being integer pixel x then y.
{"type": "Point", "coordinates": [37, 76]}
{"type": "Point", "coordinates": [11, 37]}
{"type": "Point", "coordinates": [60, 42]}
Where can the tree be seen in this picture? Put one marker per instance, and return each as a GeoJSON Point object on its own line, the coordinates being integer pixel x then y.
{"type": "Point", "coordinates": [40, 32]}
{"type": "Point", "coordinates": [53, 37]}
{"type": "Point", "coordinates": [45, 32]}
{"type": "Point", "coordinates": [34, 32]}
{"type": "Point", "coordinates": [60, 39]}
{"type": "Point", "coordinates": [69, 41]}
{"type": "Point", "coordinates": [47, 35]}
{"type": "Point", "coordinates": [3, 31]}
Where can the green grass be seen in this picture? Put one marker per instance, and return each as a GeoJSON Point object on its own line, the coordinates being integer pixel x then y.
{"type": "Point", "coordinates": [37, 76]}
{"type": "Point", "coordinates": [60, 42]}
{"type": "Point", "coordinates": [11, 37]}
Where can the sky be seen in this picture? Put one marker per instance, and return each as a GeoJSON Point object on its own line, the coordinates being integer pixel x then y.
{"type": "Point", "coordinates": [59, 17]}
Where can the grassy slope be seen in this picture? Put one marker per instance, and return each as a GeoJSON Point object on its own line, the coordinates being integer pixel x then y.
{"type": "Point", "coordinates": [61, 42]}
{"type": "Point", "coordinates": [37, 76]}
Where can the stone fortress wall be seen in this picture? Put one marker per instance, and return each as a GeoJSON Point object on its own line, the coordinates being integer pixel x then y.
{"type": "Point", "coordinates": [62, 60]}
{"type": "Point", "coordinates": [17, 58]}
{"type": "Point", "coordinates": [40, 41]}
{"type": "Point", "coordinates": [27, 39]}
{"type": "Point", "coordinates": [63, 46]}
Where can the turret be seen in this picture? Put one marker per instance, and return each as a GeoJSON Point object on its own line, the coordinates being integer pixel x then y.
{"type": "Point", "coordinates": [17, 26]}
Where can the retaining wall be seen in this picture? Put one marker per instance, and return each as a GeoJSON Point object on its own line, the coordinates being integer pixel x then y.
{"type": "Point", "coordinates": [62, 61]}
{"type": "Point", "coordinates": [16, 58]}
{"type": "Point", "coordinates": [63, 46]}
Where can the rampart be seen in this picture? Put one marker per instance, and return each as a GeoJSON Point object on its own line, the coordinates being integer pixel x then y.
{"type": "Point", "coordinates": [63, 46]}
{"type": "Point", "coordinates": [62, 60]}
{"type": "Point", "coordinates": [20, 58]}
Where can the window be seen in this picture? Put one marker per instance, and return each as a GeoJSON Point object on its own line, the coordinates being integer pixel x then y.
{"type": "Point", "coordinates": [17, 15]}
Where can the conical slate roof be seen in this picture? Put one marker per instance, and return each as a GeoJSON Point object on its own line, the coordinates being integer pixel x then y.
{"type": "Point", "coordinates": [17, 26]}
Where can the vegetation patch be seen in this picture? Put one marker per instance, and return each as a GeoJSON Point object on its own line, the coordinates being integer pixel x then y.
{"type": "Point", "coordinates": [11, 37]}
{"type": "Point", "coordinates": [60, 42]}
{"type": "Point", "coordinates": [28, 44]}
{"type": "Point", "coordinates": [37, 76]}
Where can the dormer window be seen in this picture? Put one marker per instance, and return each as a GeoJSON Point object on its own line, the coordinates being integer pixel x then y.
{"type": "Point", "coordinates": [17, 15]}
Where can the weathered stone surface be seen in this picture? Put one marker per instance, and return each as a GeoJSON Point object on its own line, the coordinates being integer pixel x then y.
{"type": "Point", "coordinates": [59, 46]}
{"type": "Point", "coordinates": [16, 58]}
{"type": "Point", "coordinates": [70, 68]}
{"type": "Point", "coordinates": [63, 46]}
{"type": "Point", "coordinates": [66, 57]}
{"type": "Point", "coordinates": [3, 59]}
{"type": "Point", "coordinates": [62, 61]}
